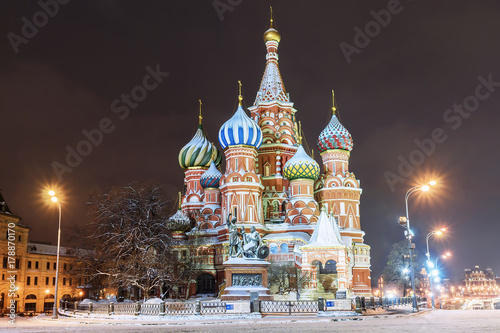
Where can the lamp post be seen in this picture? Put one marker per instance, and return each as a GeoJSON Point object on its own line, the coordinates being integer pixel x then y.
{"type": "Point", "coordinates": [405, 222]}
{"type": "Point", "coordinates": [54, 199]}
{"type": "Point", "coordinates": [435, 271]}
{"type": "Point", "coordinates": [428, 254]}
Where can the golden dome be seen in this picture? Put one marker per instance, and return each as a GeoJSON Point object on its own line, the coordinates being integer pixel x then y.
{"type": "Point", "coordinates": [272, 35]}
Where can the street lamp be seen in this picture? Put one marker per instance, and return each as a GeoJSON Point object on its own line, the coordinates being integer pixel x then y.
{"type": "Point", "coordinates": [428, 254]}
{"type": "Point", "coordinates": [409, 234]}
{"type": "Point", "coordinates": [54, 199]}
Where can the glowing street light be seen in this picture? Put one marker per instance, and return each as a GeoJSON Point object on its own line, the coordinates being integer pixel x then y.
{"type": "Point", "coordinates": [409, 234]}
{"type": "Point", "coordinates": [54, 199]}
{"type": "Point", "coordinates": [428, 254]}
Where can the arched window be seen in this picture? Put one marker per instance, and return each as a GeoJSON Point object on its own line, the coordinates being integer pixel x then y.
{"type": "Point", "coordinates": [31, 296]}
{"type": "Point", "coordinates": [330, 267]}
{"type": "Point", "coordinates": [267, 170]}
{"type": "Point", "coordinates": [284, 248]}
{"type": "Point", "coordinates": [273, 248]}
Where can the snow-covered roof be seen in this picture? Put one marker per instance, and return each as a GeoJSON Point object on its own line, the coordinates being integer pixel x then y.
{"type": "Point", "coordinates": [326, 233]}
{"type": "Point", "coordinates": [288, 235]}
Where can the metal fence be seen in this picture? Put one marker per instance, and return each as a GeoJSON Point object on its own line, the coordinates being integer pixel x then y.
{"type": "Point", "coordinates": [358, 304]}
{"type": "Point", "coordinates": [267, 307]}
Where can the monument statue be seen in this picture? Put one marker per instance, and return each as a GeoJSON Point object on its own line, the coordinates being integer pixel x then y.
{"type": "Point", "coordinates": [249, 245]}
{"type": "Point", "coordinates": [235, 244]}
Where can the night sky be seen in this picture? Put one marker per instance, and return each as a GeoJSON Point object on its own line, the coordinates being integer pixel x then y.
{"type": "Point", "coordinates": [399, 86]}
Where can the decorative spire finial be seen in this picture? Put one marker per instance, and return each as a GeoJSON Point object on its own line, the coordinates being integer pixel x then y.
{"type": "Point", "coordinates": [214, 152]}
{"type": "Point", "coordinates": [300, 133]}
{"type": "Point", "coordinates": [180, 200]}
{"type": "Point", "coordinates": [271, 20]}
{"type": "Point", "coordinates": [240, 97]}
{"type": "Point", "coordinates": [334, 105]}
{"type": "Point", "coordinates": [200, 117]}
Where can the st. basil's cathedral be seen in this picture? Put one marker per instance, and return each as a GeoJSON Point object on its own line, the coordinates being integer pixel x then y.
{"type": "Point", "coordinates": [305, 216]}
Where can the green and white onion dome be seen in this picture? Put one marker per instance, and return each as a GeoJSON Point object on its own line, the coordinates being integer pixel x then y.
{"type": "Point", "coordinates": [301, 166]}
{"type": "Point", "coordinates": [198, 152]}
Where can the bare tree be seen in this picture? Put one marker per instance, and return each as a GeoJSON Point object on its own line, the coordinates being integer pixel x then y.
{"type": "Point", "coordinates": [128, 239]}
{"type": "Point", "coordinates": [286, 277]}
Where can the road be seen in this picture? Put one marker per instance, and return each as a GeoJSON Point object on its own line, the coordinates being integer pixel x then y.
{"type": "Point", "coordinates": [426, 321]}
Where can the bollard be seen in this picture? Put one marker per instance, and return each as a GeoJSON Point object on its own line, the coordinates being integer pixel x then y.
{"type": "Point", "coordinates": [197, 310]}
{"type": "Point", "coordinates": [137, 308]}
{"type": "Point", "coordinates": [91, 306]}
{"type": "Point", "coordinates": [76, 308]}
{"type": "Point", "coordinates": [321, 304]}
{"type": "Point", "coordinates": [111, 310]}
{"type": "Point", "coordinates": [256, 305]}
{"type": "Point", "coordinates": [162, 308]}
{"type": "Point", "coordinates": [372, 299]}
{"type": "Point", "coordinates": [358, 305]}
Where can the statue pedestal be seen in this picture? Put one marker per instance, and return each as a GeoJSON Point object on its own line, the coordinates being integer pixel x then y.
{"type": "Point", "coordinates": [244, 276]}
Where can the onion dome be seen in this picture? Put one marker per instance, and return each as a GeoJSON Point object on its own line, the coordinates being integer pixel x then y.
{"type": "Point", "coordinates": [198, 152]}
{"type": "Point", "coordinates": [240, 129]}
{"type": "Point", "coordinates": [211, 177]}
{"type": "Point", "coordinates": [301, 166]}
{"type": "Point", "coordinates": [179, 222]}
{"type": "Point", "coordinates": [335, 136]}
{"type": "Point", "coordinates": [272, 34]}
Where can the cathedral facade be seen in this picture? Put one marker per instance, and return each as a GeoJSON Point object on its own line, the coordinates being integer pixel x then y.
{"type": "Point", "coordinates": [304, 215]}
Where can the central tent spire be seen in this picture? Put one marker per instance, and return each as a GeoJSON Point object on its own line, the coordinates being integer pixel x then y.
{"type": "Point", "coordinates": [271, 85]}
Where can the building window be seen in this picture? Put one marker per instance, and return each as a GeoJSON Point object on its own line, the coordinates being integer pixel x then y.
{"type": "Point", "coordinates": [47, 280]}
{"type": "Point", "coordinates": [284, 248]}
{"type": "Point", "coordinates": [54, 266]}
{"type": "Point", "coordinates": [64, 267]}
{"type": "Point", "coordinates": [36, 264]}
{"type": "Point", "coordinates": [36, 281]}
{"type": "Point", "coordinates": [48, 265]}
{"type": "Point", "coordinates": [4, 262]}
{"type": "Point", "coordinates": [70, 282]}
{"type": "Point", "coordinates": [64, 281]}
{"type": "Point", "coordinates": [29, 264]}
{"type": "Point", "coordinates": [17, 263]}
{"type": "Point", "coordinates": [19, 238]}
{"type": "Point", "coordinates": [53, 281]}
{"type": "Point", "coordinates": [28, 280]}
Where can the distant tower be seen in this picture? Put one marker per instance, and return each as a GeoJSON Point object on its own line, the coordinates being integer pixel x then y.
{"type": "Point", "coordinates": [240, 186]}
{"type": "Point", "coordinates": [275, 114]}
{"type": "Point", "coordinates": [339, 191]}
{"type": "Point", "coordinates": [195, 157]}
{"type": "Point", "coordinates": [211, 211]}
{"type": "Point", "coordinates": [301, 170]}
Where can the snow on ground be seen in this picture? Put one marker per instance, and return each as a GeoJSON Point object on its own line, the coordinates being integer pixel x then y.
{"type": "Point", "coordinates": [425, 322]}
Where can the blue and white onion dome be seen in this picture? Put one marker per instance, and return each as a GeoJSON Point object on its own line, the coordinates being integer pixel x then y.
{"type": "Point", "coordinates": [240, 130]}
{"type": "Point", "coordinates": [301, 166]}
{"type": "Point", "coordinates": [211, 177]}
{"type": "Point", "coordinates": [335, 136]}
{"type": "Point", "coordinates": [198, 152]}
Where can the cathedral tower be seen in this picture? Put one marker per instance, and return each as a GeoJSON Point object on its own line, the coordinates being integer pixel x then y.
{"type": "Point", "coordinates": [240, 186]}
{"type": "Point", "coordinates": [275, 115]}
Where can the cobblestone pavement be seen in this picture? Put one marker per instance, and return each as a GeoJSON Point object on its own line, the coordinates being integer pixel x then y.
{"type": "Point", "coordinates": [425, 321]}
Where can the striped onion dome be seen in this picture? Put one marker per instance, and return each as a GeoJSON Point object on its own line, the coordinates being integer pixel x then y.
{"type": "Point", "coordinates": [211, 177]}
{"type": "Point", "coordinates": [240, 130]}
{"type": "Point", "coordinates": [198, 152]}
{"type": "Point", "coordinates": [179, 222]}
{"type": "Point", "coordinates": [335, 136]}
{"type": "Point", "coordinates": [301, 166]}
